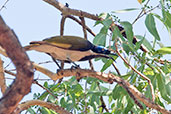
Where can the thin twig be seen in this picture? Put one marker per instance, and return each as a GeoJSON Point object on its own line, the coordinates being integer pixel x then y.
{"type": "Point", "coordinates": [85, 97]}
{"type": "Point", "coordinates": [36, 82]}
{"type": "Point", "coordinates": [79, 22]}
{"type": "Point", "coordinates": [85, 36]}
{"type": "Point", "coordinates": [61, 34]}
{"type": "Point", "coordinates": [103, 104]}
{"type": "Point", "coordinates": [139, 73]}
{"type": "Point", "coordinates": [3, 6]}
{"type": "Point", "coordinates": [45, 62]}
{"type": "Point", "coordinates": [62, 25]}
{"type": "Point", "coordinates": [10, 73]}
{"type": "Point", "coordinates": [84, 27]}
{"type": "Point", "coordinates": [117, 70]}
{"type": "Point", "coordinates": [141, 14]}
{"type": "Point", "coordinates": [91, 65]}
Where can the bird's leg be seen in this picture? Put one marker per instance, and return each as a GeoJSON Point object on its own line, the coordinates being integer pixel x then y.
{"type": "Point", "coordinates": [75, 65]}
{"type": "Point", "coordinates": [62, 67]}
{"type": "Point", "coordinates": [56, 62]}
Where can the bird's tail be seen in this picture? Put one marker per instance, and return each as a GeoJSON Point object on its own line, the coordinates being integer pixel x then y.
{"type": "Point", "coordinates": [32, 45]}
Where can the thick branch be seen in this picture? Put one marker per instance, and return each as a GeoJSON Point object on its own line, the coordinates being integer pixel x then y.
{"type": "Point", "coordinates": [28, 104]}
{"type": "Point", "coordinates": [2, 77]}
{"type": "Point", "coordinates": [109, 78]}
{"type": "Point", "coordinates": [68, 11]}
{"type": "Point", "coordinates": [15, 52]}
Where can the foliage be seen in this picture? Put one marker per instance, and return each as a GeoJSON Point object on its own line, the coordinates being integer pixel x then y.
{"type": "Point", "coordinates": [75, 97]}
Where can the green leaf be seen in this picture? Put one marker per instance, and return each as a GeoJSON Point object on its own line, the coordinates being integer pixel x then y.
{"type": "Point", "coordinates": [162, 87]}
{"type": "Point", "coordinates": [168, 88]}
{"type": "Point", "coordinates": [129, 106]}
{"type": "Point", "coordinates": [43, 95]}
{"type": "Point", "coordinates": [159, 101]}
{"type": "Point", "coordinates": [128, 30]}
{"type": "Point", "coordinates": [100, 38]}
{"type": "Point", "coordinates": [164, 50]}
{"type": "Point", "coordinates": [129, 34]}
{"type": "Point", "coordinates": [45, 111]}
{"type": "Point", "coordinates": [138, 44]}
{"type": "Point", "coordinates": [107, 22]}
{"type": "Point", "coordinates": [125, 10]}
{"type": "Point", "coordinates": [51, 99]}
{"type": "Point", "coordinates": [151, 26]}
{"type": "Point", "coordinates": [46, 85]}
{"type": "Point", "coordinates": [166, 18]}
{"type": "Point", "coordinates": [31, 111]}
{"type": "Point", "coordinates": [164, 22]}
{"type": "Point", "coordinates": [63, 102]}
{"type": "Point", "coordinates": [106, 65]}
{"type": "Point", "coordinates": [117, 33]}
{"type": "Point", "coordinates": [146, 43]}
{"type": "Point", "coordinates": [126, 48]}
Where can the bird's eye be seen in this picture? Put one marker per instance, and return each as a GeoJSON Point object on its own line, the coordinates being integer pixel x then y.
{"type": "Point", "coordinates": [103, 49]}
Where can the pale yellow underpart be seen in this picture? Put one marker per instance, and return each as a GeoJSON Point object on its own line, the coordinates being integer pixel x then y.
{"type": "Point", "coordinates": [62, 54]}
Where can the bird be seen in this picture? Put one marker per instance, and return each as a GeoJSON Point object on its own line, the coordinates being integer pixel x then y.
{"type": "Point", "coordinates": [69, 48]}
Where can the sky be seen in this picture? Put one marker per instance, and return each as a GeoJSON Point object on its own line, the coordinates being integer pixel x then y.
{"type": "Point", "coordinates": [34, 20]}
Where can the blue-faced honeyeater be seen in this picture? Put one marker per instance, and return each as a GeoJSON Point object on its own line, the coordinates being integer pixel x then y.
{"type": "Point", "coordinates": [69, 48]}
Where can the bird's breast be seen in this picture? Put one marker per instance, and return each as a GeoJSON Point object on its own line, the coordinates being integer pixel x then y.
{"type": "Point", "coordinates": [63, 54]}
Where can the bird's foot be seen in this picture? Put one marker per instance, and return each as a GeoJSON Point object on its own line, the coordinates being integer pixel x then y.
{"type": "Point", "coordinates": [75, 66]}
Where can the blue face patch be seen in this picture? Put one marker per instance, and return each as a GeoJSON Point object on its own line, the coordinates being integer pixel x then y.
{"type": "Point", "coordinates": [101, 49]}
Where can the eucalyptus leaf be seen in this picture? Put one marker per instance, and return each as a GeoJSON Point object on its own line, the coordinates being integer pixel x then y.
{"type": "Point", "coordinates": [151, 26]}
{"type": "Point", "coordinates": [128, 29]}
{"type": "Point", "coordinates": [145, 42]}
{"type": "Point", "coordinates": [138, 44]}
{"type": "Point", "coordinates": [166, 18]}
{"type": "Point", "coordinates": [107, 22]}
{"type": "Point", "coordinates": [162, 88]}
{"type": "Point", "coordinates": [117, 33]}
{"type": "Point", "coordinates": [45, 111]}
{"type": "Point", "coordinates": [106, 65]}
{"type": "Point", "coordinates": [164, 50]}
{"type": "Point", "coordinates": [31, 111]}
{"type": "Point", "coordinates": [125, 10]}
{"type": "Point", "coordinates": [168, 88]}
{"type": "Point", "coordinates": [129, 34]}
{"type": "Point", "coordinates": [100, 38]}
{"type": "Point", "coordinates": [164, 22]}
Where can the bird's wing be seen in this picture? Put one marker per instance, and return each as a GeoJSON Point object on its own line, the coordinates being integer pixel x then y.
{"type": "Point", "coordinates": [70, 42]}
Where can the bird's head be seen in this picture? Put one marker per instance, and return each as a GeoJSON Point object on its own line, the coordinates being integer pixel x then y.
{"type": "Point", "coordinates": [101, 49]}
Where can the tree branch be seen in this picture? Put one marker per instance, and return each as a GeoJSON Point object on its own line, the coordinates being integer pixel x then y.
{"type": "Point", "coordinates": [2, 77]}
{"type": "Point", "coordinates": [139, 73]}
{"type": "Point", "coordinates": [15, 52]}
{"type": "Point", "coordinates": [27, 104]}
{"type": "Point", "coordinates": [79, 22]}
{"type": "Point", "coordinates": [68, 11]}
{"type": "Point", "coordinates": [109, 78]}
{"type": "Point", "coordinates": [49, 91]}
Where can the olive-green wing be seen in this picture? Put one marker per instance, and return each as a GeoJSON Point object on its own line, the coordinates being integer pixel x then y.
{"type": "Point", "coordinates": [70, 42]}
